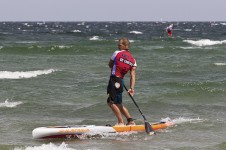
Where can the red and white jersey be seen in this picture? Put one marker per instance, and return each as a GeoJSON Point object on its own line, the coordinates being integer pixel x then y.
{"type": "Point", "coordinates": [123, 62]}
{"type": "Point", "coordinates": [169, 28]}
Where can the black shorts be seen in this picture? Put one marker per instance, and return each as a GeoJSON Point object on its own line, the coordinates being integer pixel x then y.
{"type": "Point", "coordinates": [115, 89]}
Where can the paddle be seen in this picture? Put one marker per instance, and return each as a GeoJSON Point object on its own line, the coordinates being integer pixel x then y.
{"type": "Point", "coordinates": [148, 127]}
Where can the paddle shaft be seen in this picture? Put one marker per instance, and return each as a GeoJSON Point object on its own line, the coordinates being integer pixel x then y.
{"type": "Point", "coordinates": [148, 127]}
{"type": "Point", "coordinates": [135, 104]}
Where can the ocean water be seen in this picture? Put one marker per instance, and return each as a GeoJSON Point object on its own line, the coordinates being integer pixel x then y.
{"type": "Point", "coordinates": [56, 73]}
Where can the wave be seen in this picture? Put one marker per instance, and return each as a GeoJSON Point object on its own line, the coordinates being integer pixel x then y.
{"type": "Point", "coordinates": [26, 42]}
{"type": "Point", "coordinates": [205, 42]}
{"type": "Point", "coordinates": [49, 146]}
{"type": "Point", "coordinates": [136, 32]}
{"type": "Point", "coordinates": [190, 47]}
{"type": "Point", "coordinates": [24, 74]}
{"type": "Point", "coordinates": [182, 120]}
{"type": "Point", "coordinates": [220, 64]}
{"type": "Point", "coordinates": [94, 38]}
{"type": "Point", "coordinates": [188, 30]}
{"type": "Point", "coordinates": [60, 47]}
{"type": "Point", "coordinates": [10, 104]}
{"type": "Point", "coordinates": [185, 120]}
{"type": "Point", "coordinates": [76, 31]}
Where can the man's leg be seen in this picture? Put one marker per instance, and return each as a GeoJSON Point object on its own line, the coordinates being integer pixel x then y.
{"type": "Point", "coordinates": [117, 112]}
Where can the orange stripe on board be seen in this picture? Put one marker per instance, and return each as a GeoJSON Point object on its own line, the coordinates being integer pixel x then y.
{"type": "Point", "coordinates": [156, 126]}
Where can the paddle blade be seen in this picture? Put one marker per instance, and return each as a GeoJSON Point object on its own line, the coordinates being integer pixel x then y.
{"type": "Point", "coordinates": [148, 128]}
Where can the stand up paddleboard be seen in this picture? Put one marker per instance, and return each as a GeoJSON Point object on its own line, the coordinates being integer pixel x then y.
{"type": "Point", "coordinates": [73, 131]}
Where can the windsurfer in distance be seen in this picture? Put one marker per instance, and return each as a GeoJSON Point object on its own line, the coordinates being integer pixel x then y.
{"type": "Point", "coordinates": [169, 30]}
{"type": "Point", "coordinates": [120, 63]}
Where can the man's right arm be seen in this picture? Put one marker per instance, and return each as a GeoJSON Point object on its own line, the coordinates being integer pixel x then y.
{"type": "Point", "coordinates": [110, 64]}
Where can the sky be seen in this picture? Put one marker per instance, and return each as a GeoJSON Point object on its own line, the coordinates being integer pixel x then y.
{"type": "Point", "coordinates": [112, 10]}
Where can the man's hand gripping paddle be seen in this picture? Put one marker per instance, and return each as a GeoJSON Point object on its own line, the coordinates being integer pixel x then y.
{"type": "Point", "coordinates": [148, 128]}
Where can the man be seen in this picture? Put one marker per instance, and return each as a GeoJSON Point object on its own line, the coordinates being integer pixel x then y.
{"type": "Point", "coordinates": [120, 63]}
{"type": "Point", "coordinates": [169, 30]}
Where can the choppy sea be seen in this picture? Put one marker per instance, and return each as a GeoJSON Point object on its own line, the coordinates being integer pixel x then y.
{"type": "Point", "coordinates": [56, 73]}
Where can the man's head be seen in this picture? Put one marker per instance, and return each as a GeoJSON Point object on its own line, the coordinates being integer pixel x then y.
{"type": "Point", "coordinates": [123, 44]}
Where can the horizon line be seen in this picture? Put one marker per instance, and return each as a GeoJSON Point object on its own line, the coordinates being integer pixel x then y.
{"type": "Point", "coordinates": [101, 21]}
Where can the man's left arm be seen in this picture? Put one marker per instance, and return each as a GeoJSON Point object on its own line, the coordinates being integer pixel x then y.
{"type": "Point", "coordinates": [132, 80]}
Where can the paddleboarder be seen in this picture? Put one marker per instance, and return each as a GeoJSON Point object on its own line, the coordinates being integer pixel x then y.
{"type": "Point", "coordinates": [121, 62]}
{"type": "Point", "coordinates": [169, 30]}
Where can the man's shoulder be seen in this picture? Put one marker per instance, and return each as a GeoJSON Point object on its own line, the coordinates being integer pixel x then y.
{"type": "Point", "coordinates": [114, 54]}
{"type": "Point", "coordinates": [117, 51]}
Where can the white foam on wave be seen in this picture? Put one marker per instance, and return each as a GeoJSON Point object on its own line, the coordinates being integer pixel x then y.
{"type": "Point", "coordinates": [81, 24]}
{"type": "Point", "coordinates": [188, 30]}
{"type": "Point", "coordinates": [94, 38]}
{"type": "Point", "coordinates": [49, 146]}
{"type": "Point", "coordinates": [190, 47]}
{"type": "Point", "coordinates": [24, 74]}
{"type": "Point", "coordinates": [135, 32]}
{"type": "Point", "coordinates": [40, 23]}
{"type": "Point", "coordinates": [98, 135]}
{"type": "Point", "coordinates": [63, 46]}
{"type": "Point", "coordinates": [223, 23]}
{"type": "Point", "coordinates": [220, 64]}
{"type": "Point", "coordinates": [26, 42]}
{"type": "Point", "coordinates": [205, 42]}
{"type": "Point", "coordinates": [9, 104]}
{"type": "Point", "coordinates": [77, 31]}
{"type": "Point", "coordinates": [214, 24]}
{"type": "Point", "coordinates": [59, 47]}
{"type": "Point", "coordinates": [185, 120]}
{"type": "Point", "coordinates": [26, 24]}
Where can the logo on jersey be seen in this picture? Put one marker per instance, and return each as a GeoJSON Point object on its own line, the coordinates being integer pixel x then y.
{"type": "Point", "coordinates": [126, 61]}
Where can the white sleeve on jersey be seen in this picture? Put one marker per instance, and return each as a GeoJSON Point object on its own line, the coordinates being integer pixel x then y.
{"type": "Point", "coordinates": [114, 54]}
